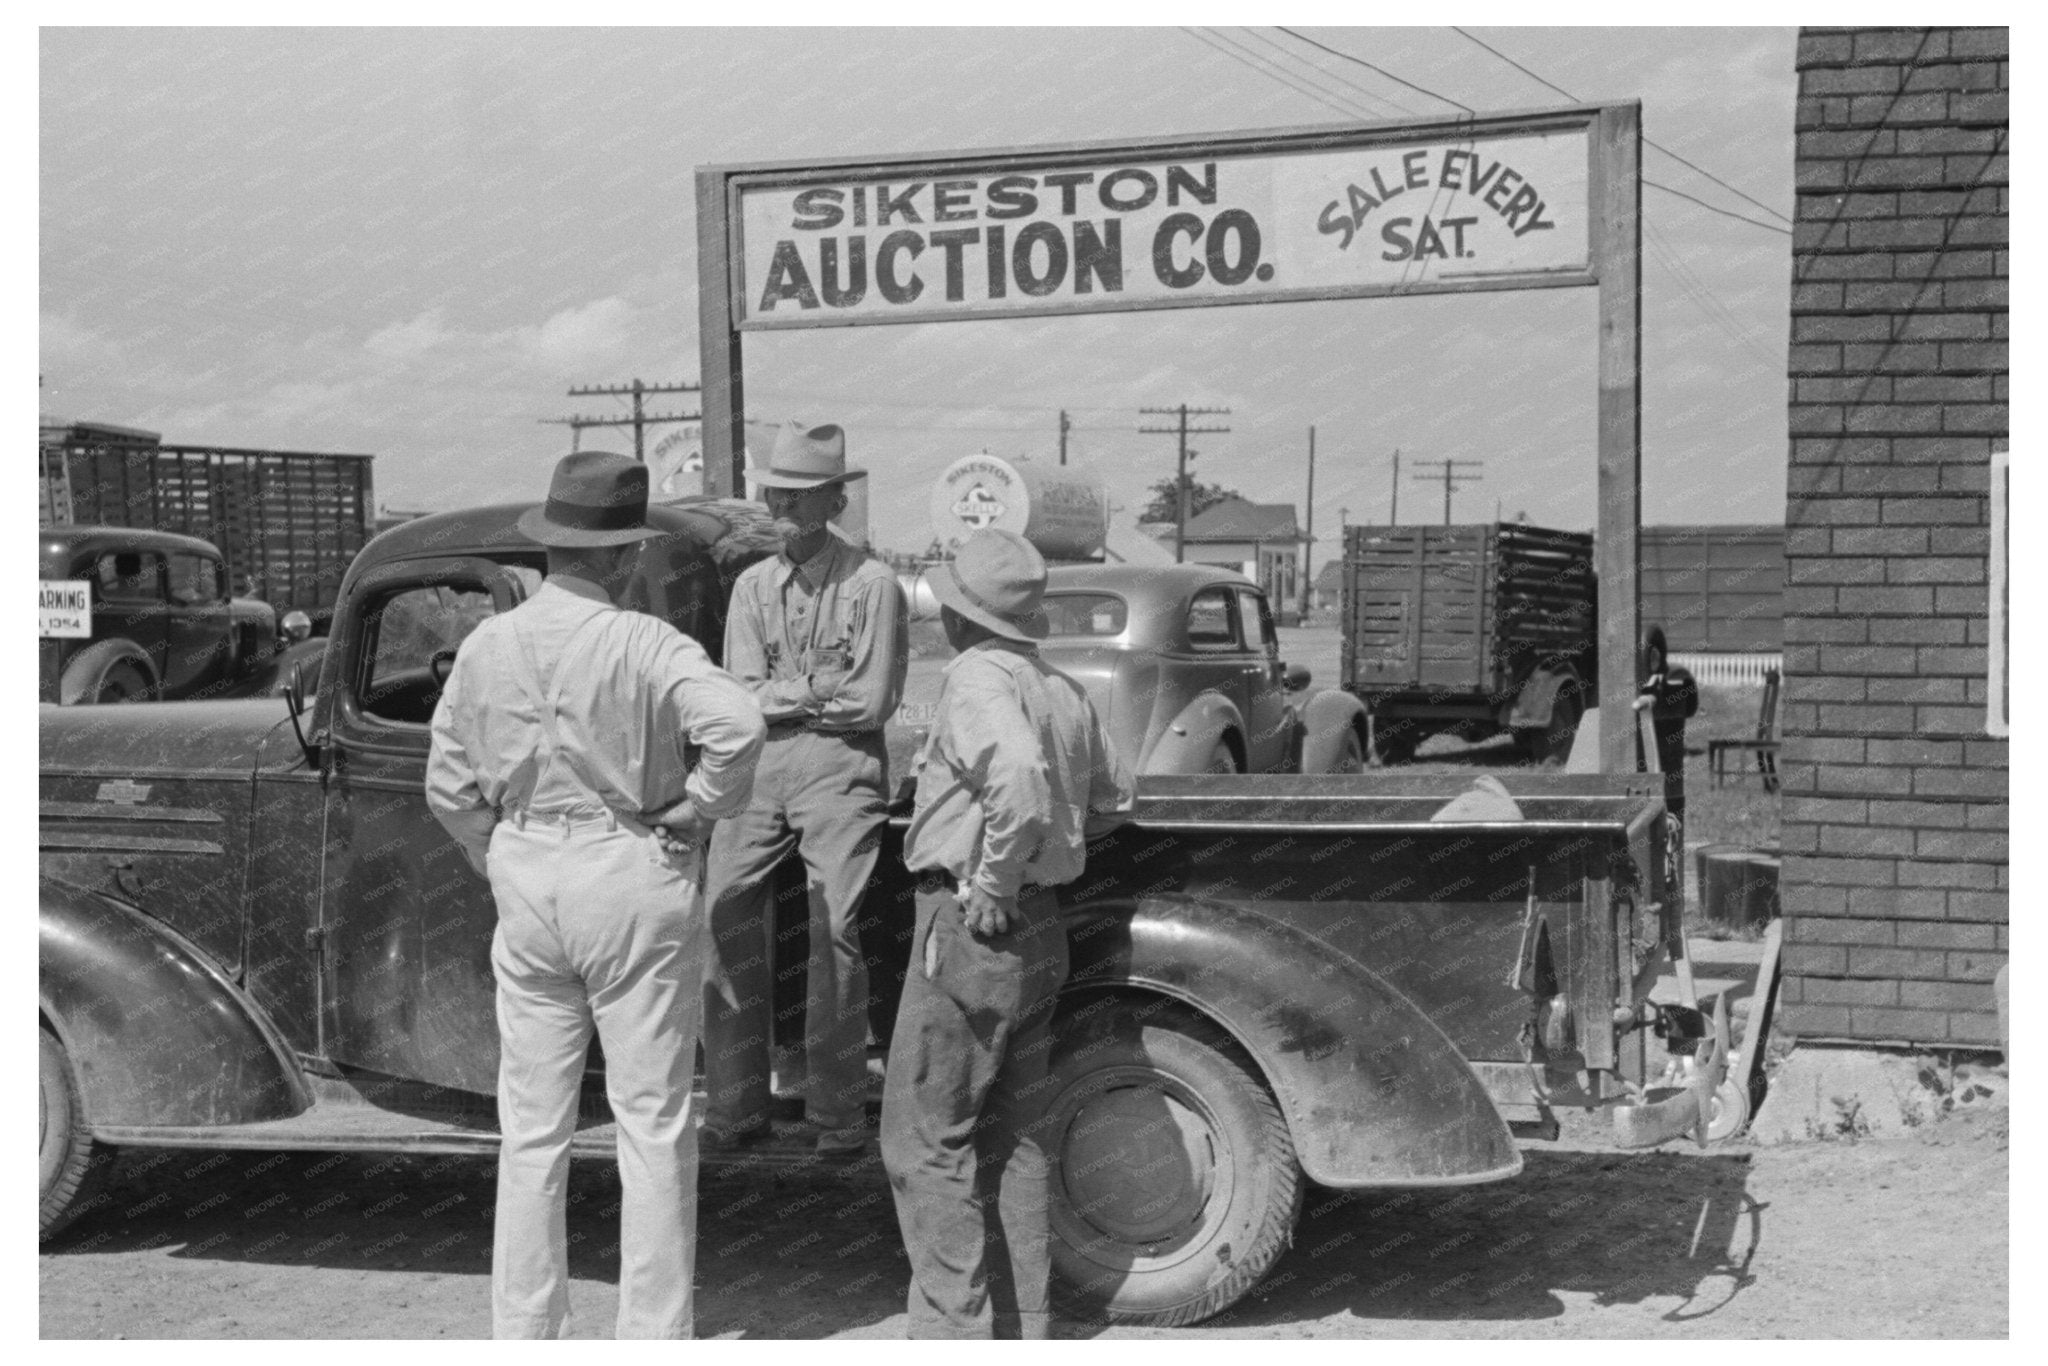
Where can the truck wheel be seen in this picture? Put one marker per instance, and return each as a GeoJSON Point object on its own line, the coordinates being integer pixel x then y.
{"type": "Point", "coordinates": [1174, 1180]}
{"type": "Point", "coordinates": [70, 1165]}
{"type": "Point", "coordinates": [107, 671]}
{"type": "Point", "coordinates": [1393, 743]}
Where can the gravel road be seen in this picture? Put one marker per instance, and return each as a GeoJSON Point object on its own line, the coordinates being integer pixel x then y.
{"type": "Point", "coordinates": [1899, 1237]}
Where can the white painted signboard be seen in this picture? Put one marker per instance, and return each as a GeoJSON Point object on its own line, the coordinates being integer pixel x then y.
{"type": "Point", "coordinates": [1394, 217]}
{"type": "Point", "coordinates": [64, 608]}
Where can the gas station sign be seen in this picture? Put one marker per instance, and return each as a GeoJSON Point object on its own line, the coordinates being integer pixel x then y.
{"type": "Point", "coordinates": [1087, 235]}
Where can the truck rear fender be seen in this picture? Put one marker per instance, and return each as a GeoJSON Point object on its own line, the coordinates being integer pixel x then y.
{"type": "Point", "coordinates": [1185, 743]}
{"type": "Point", "coordinates": [1329, 714]}
{"type": "Point", "coordinates": [1538, 695]}
{"type": "Point", "coordinates": [1374, 1093]}
{"type": "Point", "coordinates": [158, 1034]}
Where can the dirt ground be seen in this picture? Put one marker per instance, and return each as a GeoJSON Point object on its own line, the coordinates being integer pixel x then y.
{"type": "Point", "coordinates": [1903, 1237]}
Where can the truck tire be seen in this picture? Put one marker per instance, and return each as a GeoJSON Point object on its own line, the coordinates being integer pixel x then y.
{"type": "Point", "coordinates": [107, 671]}
{"type": "Point", "coordinates": [1394, 742]}
{"type": "Point", "coordinates": [1174, 1180]}
{"type": "Point", "coordinates": [70, 1166]}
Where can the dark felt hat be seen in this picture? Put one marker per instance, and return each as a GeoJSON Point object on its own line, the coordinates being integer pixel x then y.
{"type": "Point", "coordinates": [596, 498]}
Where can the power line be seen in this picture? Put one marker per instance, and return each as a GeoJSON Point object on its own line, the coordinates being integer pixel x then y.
{"type": "Point", "coordinates": [639, 421]}
{"type": "Point", "coordinates": [1180, 521]}
{"type": "Point", "coordinates": [1652, 141]}
{"type": "Point", "coordinates": [1362, 92]}
{"type": "Point", "coordinates": [1715, 208]}
{"type": "Point", "coordinates": [1299, 37]}
{"type": "Point", "coordinates": [1216, 44]}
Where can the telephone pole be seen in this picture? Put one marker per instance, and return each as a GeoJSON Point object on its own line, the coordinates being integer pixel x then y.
{"type": "Point", "coordinates": [1394, 511]}
{"type": "Point", "coordinates": [1066, 425]}
{"type": "Point", "coordinates": [1452, 478]}
{"type": "Point", "coordinates": [1183, 431]}
{"type": "Point", "coordinates": [641, 419]}
{"type": "Point", "coordinates": [1308, 553]}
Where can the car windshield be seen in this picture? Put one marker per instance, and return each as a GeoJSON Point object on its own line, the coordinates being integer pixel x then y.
{"type": "Point", "coordinates": [1085, 614]}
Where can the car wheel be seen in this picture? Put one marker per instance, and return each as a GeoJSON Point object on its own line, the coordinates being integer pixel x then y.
{"type": "Point", "coordinates": [1554, 744]}
{"type": "Point", "coordinates": [70, 1165]}
{"type": "Point", "coordinates": [106, 671]}
{"type": "Point", "coordinates": [1174, 1180]}
{"type": "Point", "coordinates": [1222, 759]}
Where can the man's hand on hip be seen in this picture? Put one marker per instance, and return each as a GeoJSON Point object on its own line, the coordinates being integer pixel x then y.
{"type": "Point", "coordinates": [682, 827]}
{"type": "Point", "coordinates": [986, 916]}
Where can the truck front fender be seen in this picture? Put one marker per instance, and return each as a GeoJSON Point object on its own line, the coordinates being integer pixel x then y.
{"type": "Point", "coordinates": [1374, 1093]}
{"type": "Point", "coordinates": [1330, 714]}
{"type": "Point", "coordinates": [1185, 743]}
{"type": "Point", "coordinates": [157, 1032]}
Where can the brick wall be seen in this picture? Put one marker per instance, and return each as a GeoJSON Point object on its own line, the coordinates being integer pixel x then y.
{"type": "Point", "coordinates": [1895, 871]}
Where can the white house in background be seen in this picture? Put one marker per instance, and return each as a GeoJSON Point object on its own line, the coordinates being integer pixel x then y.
{"type": "Point", "coordinates": [1259, 540]}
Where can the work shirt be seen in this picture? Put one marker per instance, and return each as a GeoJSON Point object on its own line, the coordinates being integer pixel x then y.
{"type": "Point", "coordinates": [822, 642]}
{"type": "Point", "coordinates": [626, 690]}
{"type": "Point", "coordinates": [1016, 760]}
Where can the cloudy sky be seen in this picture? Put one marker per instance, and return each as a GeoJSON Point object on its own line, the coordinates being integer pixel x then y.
{"type": "Point", "coordinates": [412, 243]}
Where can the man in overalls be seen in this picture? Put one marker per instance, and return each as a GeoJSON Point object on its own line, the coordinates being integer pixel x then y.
{"type": "Point", "coordinates": [558, 766]}
{"type": "Point", "coordinates": [818, 634]}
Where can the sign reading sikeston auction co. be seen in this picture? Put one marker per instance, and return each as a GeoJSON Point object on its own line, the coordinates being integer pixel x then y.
{"type": "Point", "coordinates": [1089, 235]}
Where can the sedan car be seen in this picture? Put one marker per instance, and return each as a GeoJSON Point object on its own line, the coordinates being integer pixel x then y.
{"type": "Point", "coordinates": [1183, 664]}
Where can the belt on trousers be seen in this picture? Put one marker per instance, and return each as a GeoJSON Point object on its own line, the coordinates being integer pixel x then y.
{"type": "Point", "coordinates": [952, 884]}
{"type": "Point", "coordinates": [790, 725]}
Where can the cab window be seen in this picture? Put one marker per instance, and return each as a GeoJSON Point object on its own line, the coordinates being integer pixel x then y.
{"type": "Point", "coordinates": [1212, 620]}
{"type": "Point", "coordinates": [404, 634]}
{"type": "Point", "coordinates": [128, 576]}
{"type": "Point", "coordinates": [194, 580]}
{"type": "Point", "coordinates": [1258, 623]}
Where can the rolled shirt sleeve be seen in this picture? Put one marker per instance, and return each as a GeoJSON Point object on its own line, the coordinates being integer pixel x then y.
{"type": "Point", "coordinates": [1111, 788]}
{"type": "Point", "coordinates": [453, 794]}
{"type": "Point", "coordinates": [867, 694]}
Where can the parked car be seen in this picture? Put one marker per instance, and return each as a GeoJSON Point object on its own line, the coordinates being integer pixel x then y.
{"type": "Point", "coordinates": [254, 935]}
{"type": "Point", "coordinates": [163, 625]}
{"type": "Point", "coordinates": [1183, 664]}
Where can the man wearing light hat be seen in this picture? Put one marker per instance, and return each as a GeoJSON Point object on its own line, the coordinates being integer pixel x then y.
{"type": "Point", "coordinates": [817, 633]}
{"type": "Point", "coordinates": [1016, 763]}
{"type": "Point", "coordinates": [558, 766]}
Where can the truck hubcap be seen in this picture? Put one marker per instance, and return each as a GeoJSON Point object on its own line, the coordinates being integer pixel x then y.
{"type": "Point", "coordinates": [1138, 1163]}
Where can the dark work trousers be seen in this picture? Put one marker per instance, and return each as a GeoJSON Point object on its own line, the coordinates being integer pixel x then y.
{"type": "Point", "coordinates": [962, 1110]}
{"type": "Point", "coordinates": [821, 794]}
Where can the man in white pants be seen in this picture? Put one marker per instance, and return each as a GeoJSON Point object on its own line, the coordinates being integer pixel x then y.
{"type": "Point", "coordinates": [558, 766]}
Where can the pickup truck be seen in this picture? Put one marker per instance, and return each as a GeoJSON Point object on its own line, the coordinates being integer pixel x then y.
{"type": "Point", "coordinates": [253, 935]}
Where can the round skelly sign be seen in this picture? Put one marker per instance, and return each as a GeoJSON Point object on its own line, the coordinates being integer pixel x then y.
{"type": "Point", "coordinates": [1061, 509]}
{"type": "Point", "coordinates": [1390, 217]}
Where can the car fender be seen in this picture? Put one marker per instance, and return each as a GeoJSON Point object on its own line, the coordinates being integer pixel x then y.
{"type": "Point", "coordinates": [1183, 744]}
{"type": "Point", "coordinates": [1329, 714]}
{"type": "Point", "coordinates": [1534, 702]}
{"type": "Point", "coordinates": [158, 1034]}
{"type": "Point", "coordinates": [1374, 1093]}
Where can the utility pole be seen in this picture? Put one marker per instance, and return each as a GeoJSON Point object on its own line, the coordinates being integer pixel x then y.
{"type": "Point", "coordinates": [1183, 431]}
{"type": "Point", "coordinates": [1308, 553]}
{"type": "Point", "coordinates": [1065, 427]}
{"type": "Point", "coordinates": [641, 419]}
{"type": "Point", "coordinates": [1452, 477]}
{"type": "Point", "coordinates": [1394, 511]}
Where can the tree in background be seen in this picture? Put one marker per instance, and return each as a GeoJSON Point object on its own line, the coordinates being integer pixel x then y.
{"type": "Point", "coordinates": [1201, 497]}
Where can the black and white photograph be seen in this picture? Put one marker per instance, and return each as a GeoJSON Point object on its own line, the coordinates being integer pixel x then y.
{"type": "Point", "coordinates": [1090, 681]}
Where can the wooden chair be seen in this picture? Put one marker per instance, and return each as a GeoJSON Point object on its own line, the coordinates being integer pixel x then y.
{"type": "Point", "coordinates": [1764, 746]}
